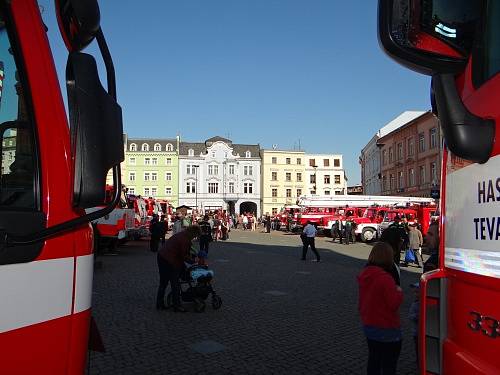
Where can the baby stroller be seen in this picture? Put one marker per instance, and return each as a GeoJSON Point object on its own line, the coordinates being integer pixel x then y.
{"type": "Point", "coordinates": [196, 286]}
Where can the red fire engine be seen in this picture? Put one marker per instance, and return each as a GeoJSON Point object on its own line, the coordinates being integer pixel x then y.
{"type": "Point", "coordinates": [457, 44]}
{"type": "Point", "coordinates": [142, 219]}
{"type": "Point", "coordinates": [50, 174]}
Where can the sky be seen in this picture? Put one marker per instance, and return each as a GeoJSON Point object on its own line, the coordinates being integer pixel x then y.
{"type": "Point", "coordinates": [266, 72]}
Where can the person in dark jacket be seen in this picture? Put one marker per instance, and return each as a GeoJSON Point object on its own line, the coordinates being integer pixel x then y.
{"type": "Point", "coordinates": [171, 259]}
{"type": "Point", "coordinates": [379, 302]}
{"type": "Point", "coordinates": [205, 238]}
{"type": "Point", "coordinates": [157, 231]}
{"type": "Point", "coordinates": [394, 237]}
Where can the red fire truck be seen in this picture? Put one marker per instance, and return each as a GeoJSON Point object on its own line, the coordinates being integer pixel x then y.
{"type": "Point", "coordinates": [141, 222]}
{"type": "Point", "coordinates": [50, 174]}
{"type": "Point", "coordinates": [456, 42]}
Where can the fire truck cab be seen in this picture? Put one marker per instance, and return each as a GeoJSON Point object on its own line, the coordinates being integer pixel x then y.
{"type": "Point", "coordinates": [457, 44]}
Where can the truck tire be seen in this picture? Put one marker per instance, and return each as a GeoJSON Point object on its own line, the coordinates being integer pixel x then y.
{"type": "Point", "coordinates": [368, 235]}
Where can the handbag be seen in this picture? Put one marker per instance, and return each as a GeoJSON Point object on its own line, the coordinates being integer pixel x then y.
{"type": "Point", "coordinates": [409, 256]}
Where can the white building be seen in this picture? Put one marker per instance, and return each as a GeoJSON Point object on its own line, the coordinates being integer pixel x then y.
{"type": "Point", "coordinates": [218, 174]}
{"type": "Point", "coordinates": [370, 154]}
{"type": "Point", "coordinates": [325, 174]}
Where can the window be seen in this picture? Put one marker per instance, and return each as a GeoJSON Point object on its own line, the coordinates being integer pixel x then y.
{"type": "Point", "coordinates": [392, 181]}
{"type": "Point", "coordinates": [213, 154]}
{"type": "Point", "coordinates": [433, 138]}
{"type": "Point", "coordinates": [190, 187]}
{"type": "Point", "coordinates": [146, 192]}
{"type": "Point", "coordinates": [168, 176]}
{"type": "Point", "coordinates": [154, 161]}
{"type": "Point", "coordinates": [247, 188]}
{"type": "Point", "coordinates": [248, 154]}
{"type": "Point", "coordinates": [274, 176]}
{"type": "Point", "coordinates": [147, 161]}
{"type": "Point", "coordinates": [299, 161]}
{"type": "Point", "coordinates": [327, 179]}
{"type": "Point", "coordinates": [401, 180]}
{"type": "Point", "coordinates": [170, 147]}
{"type": "Point", "coordinates": [299, 177]}
{"type": "Point", "coordinates": [154, 191]}
{"type": "Point", "coordinates": [288, 193]}
{"type": "Point", "coordinates": [168, 161]}
{"type": "Point", "coordinates": [391, 155]}
{"type": "Point", "coordinates": [299, 192]}
{"type": "Point", "coordinates": [411, 147]}
{"type": "Point", "coordinates": [327, 192]}
{"type": "Point", "coordinates": [274, 160]}
{"type": "Point", "coordinates": [154, 176]}
{"type": "Point", "coordinates": [421, 142]}
{"type": "Point", "coordinates": [313, 192]}
{"type": "Point", "coordinates": [312, 162]}
{"type": "Point", "coordinates": [488, 59]}
{"type": "Point", "coordinates": [213, 170]}
{"type": "Point", "coordinates": [131, 190]}
{"type": "Point", "coordinates": [190, 169]}
{"type": "Point", "coordinates": [421, 173]}
{"type": "Point", "coordinates": [338, 192]}
{"type": "Point", "coordinates": [190, 152]}
{"type": "Point", "coordinates": [434, 178]}
{"type": "Point", "coordinates": [157, 147]}
{"type": "Point", "coordinates": [288, 176]}
{"type": "Point", "coordinates": [326, 162]}
{"type": "Point", "coordinates": [131, 161]}
{"type": "Point", "coordinates": [213, 187]}
{"type": "Point", "coordinates": [147, 176]}
{"type": "Point", "coordinates": [336, 162]}
{"type": "Point", "coordinates": [400, 151]}
{"type": "Point", "coordinates": [274, 211]}
{"type": "Point", "coordinates": [231, 187]}
{"type": "Point", "coordinates": [337, 179]}
{"type": "Point", "coordinates": [133, 147]}
{"type": "Point", "coordinates": [411, 177]}
{"type": "Point", "coordinates": [131, 176]}
{"type": "Point", "coordinates": [168, 190]}
{"type": "Point", "coordinates": [384, 157]}
{"type": "Point", "coordinates": [231, 168]}
{"type": "Point", "coordinates": [288, 161]}
{"type": "Point", "coordinates": [247, 170]}
{"type": "Point", "coordinates": [312, 179]}
{"type": "Point", "coordinates": [384, 182]}
{"type": "Point", "coordinates": [274, 193]}
{"type": "Point", "coordinates": [145, 147]}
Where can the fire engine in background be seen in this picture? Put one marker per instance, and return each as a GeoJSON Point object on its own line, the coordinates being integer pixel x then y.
{"type": "Point", "coordinates": [456, 42]}
{"type": "Point", "coordinates": [413, 213]}
{"type": "Point", "coordinates": [286, 216]}
{"type": "Point", "coordinates": [49, 176]}
{"type": "Point", "coordinates": [141, 222]}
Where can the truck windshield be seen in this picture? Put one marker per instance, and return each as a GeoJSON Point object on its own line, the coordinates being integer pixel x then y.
{"type": "Point", "coordinates": [17, 178]}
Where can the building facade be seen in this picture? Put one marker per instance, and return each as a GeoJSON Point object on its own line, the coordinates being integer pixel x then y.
{"type": "Point", "coordinates": [325, 174]}
{"type": "Point", "coordinates": [369, 160]}
{"type": "Point", "coordinates": [284, 179]}
{"type": "Point", "coordinates": [151, 168]}
{"type": "Point", "coordinates": [217, 174]}
{"type": "Point", "coordinates": [410, 158]}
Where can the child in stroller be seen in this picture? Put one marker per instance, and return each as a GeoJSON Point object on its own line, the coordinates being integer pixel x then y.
{"type": "Point", "coordinates": [196, 286]}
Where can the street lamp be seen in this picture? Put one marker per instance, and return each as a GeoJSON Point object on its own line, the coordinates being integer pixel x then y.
{"type": "Point", "coordinates": [196, 186]}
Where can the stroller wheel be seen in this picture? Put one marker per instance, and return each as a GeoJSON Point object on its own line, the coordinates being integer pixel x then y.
{"type": "Point", "coordinates": [216, 302]}
{"type": "Point", "coordinates": [170, 301]}
{"type": "Point", "coordinates": [199, 305]}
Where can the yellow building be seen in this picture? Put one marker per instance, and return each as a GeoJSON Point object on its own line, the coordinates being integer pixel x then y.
{"type": "Point", "coordinates": [283, 179]}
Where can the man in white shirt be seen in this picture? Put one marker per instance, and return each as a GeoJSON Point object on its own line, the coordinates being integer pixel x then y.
{"type": "Point", "coordinates": [308, 235]}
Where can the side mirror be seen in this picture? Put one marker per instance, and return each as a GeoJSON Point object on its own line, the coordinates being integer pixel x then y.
{"type": "Point", "coordinates": [430, 37]}
{"type": "Point", "coordinates": [79, 22]}
{"type": "Point", "coordinates": [96, 130]}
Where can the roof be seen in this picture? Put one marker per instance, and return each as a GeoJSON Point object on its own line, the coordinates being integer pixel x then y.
{"type": "Point", "coordinates": [399, 121]}
{"type": "Point", "coordinates": [151, 142]}
{"type": "Point", "coordinates": [201, 147]}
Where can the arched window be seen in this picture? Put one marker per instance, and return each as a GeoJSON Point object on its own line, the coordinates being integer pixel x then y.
{"type": "Point", "coordinates": [145, 147]}
{"type": "Point", "coordinates": [170, 147]}
{"type": "Point", "coordinates": [157, 147]}
{"type": "Point", "coordinates": [133, 147]}
{"type": "Point", "coordinates": [248, 154]}
{"type": "Point", "coordinates": [190, 152]}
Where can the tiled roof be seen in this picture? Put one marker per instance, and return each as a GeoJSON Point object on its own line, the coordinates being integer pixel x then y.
{"type": "Point", "coordinates": [151, 143]}
{"type": "Point", "coordinates": [200, 148]}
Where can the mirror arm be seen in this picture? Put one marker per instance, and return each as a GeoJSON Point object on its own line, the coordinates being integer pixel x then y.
{"type": "Point", "coordinates": [466, 135]}
{"type": "Point", "coordinates": [108, 62]}
{"type": "Point", "coordinates": [8, 239]}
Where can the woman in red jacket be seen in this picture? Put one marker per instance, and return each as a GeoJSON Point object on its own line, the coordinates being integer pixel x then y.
{"type": "Point", "coordinates": [379, 302]}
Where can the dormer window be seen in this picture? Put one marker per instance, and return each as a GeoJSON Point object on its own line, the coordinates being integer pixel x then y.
{"type": "Point", "coordinates": [248, 154]}
{"type": "Point", "coordinates": [133, 147]}
{"type": "Point", "coordinates": [170, 147]}
{"type": "Point", "coordinates": [190, 152]}
{"type": "Point", "coordinates": [157, 147]}
{"type": "Point", "coordinates": [145, 147]}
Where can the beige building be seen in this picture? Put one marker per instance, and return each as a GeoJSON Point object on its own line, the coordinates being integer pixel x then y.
{"type": "Point", "coordinates": [283, 179]}
{"type": "Point", "coordinates": [325, 175]}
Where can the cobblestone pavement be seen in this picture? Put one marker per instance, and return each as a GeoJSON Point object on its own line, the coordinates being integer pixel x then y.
{"type": "Point", "coordinates": [279, 315]}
